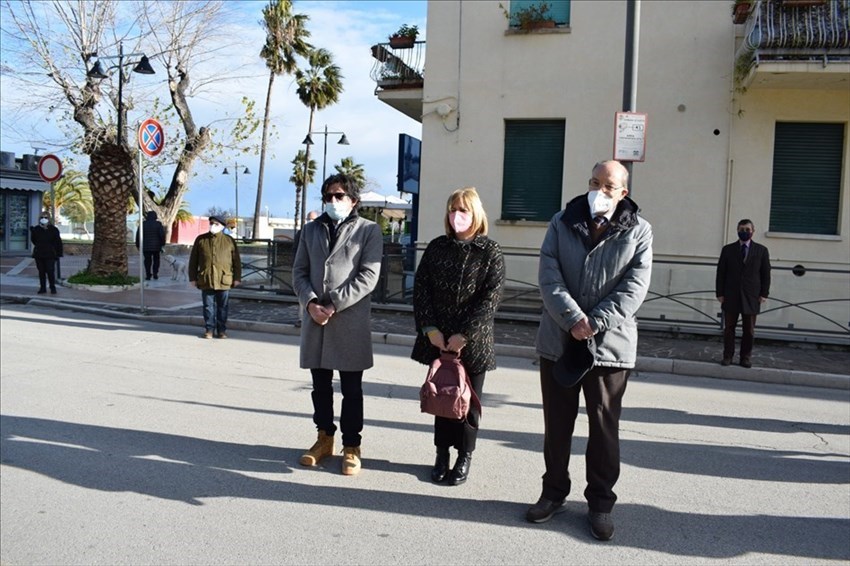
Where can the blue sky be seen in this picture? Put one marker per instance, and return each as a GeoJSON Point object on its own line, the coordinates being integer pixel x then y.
{"type": "Point", "coordinates": [347, 29]}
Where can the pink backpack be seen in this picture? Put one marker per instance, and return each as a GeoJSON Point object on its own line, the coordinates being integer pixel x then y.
{"type": "Point", "coordinates": [447, 391]}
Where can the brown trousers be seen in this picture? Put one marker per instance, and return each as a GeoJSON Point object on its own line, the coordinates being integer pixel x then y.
{"type": "Point", "coordinates": [603, 389]}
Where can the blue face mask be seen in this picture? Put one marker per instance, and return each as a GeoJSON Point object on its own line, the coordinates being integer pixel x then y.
{"type": "Point", "coordinates": [745, 236]}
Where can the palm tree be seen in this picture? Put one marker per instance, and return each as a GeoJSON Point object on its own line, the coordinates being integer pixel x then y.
{"type": "Point", "coordinates": [285, 38]}
{"type": "Point", "coordinates": [73, 197]}
{"type": "Point", "coordinates": [301, 167]}
{"type": "Point", "coordinates": [319, 86]}
{"type": "Point", "coordinates": [354, 170]}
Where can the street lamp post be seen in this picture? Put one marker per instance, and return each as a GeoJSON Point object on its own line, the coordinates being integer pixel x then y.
{"type": "Point", "coordinates": [308, 141]}
{"type": "Point", "coordinates": [142, 67]}
{"type": "Point", "coordinates": [236, 167]}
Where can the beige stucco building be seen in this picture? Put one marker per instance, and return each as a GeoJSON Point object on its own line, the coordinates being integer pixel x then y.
{"type": "Point", "coordinates": [729, 109]}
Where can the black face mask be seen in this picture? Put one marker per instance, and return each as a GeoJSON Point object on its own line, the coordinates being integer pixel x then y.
{"type": "Point", "coordinates": [745, 236]}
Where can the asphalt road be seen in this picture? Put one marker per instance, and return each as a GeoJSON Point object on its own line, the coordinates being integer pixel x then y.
{"type": "Point", "coordinates": [133, 442]}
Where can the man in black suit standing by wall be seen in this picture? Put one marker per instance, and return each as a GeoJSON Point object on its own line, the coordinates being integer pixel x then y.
{"type": "Point", "coordinates": [742, 285]}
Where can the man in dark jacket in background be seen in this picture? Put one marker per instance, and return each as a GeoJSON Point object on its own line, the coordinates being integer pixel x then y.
{"type": "Point", "coordinates": [742, 285]}
{"type": "Point", "coordinates": [46, 249]}
{"type": "Point", "coordinates": [152, 242]}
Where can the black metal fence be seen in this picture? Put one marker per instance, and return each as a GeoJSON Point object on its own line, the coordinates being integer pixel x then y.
{"type": "Point", "coordinates": [806, 304]}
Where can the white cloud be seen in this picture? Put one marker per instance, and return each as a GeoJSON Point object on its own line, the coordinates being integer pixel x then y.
{"type": "Point", "coordinates": [347, 29]}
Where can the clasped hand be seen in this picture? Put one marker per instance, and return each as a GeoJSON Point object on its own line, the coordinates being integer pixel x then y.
{"type": "Point", "coordinates": [320, 314]}
{"type": "Point", "coordinates": [582, 330]}
{"type": "Point", "coordinates": [455, 343]}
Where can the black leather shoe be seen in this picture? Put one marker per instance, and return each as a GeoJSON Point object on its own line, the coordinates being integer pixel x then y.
{"type": "Point", "coordinates": [441, 466]}
{"type": "Point", "coordinates": [543, 510]}
{"type": "Point", "coordinates": [726, 362]}
{"type": "Point", "coordinates": [460, 472]}
{"type": "Point", "coordinates": [746, 363]}
{"type": "Point", "coordinates": [601, 525]}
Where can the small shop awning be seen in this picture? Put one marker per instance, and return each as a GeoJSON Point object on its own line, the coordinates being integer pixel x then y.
{"type": "Point", "coordinates": [12, 184]}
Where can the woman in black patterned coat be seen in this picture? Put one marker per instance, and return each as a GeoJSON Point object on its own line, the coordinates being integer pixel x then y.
{"type": "Point", "coordinates": [456, 291]}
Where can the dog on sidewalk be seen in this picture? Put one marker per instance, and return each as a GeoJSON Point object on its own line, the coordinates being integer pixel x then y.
{"type": "Point", "coordinates": [179, 268]}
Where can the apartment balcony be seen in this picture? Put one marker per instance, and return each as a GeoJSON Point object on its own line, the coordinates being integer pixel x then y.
{"type": "Point", "coordinates": [795, 44]}
{"type": "Point", "coordinates": [399, 76]}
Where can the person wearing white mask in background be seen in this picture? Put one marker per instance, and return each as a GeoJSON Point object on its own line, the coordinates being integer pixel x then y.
{"type": "Point", "coordinates": [46, 250]}
{"type": "Point", "coordinates": [214, 268]}
{"type": "Point", "coordinates": [456, 291]}
{"type": "Point", "coordinates": [594, 273]}
{"type": "Point", "coordinates": [337, 266]}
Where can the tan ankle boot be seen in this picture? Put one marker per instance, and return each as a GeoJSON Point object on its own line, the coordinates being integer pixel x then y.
{"type": "Point", "coordinates": [350, 460]}
{"type": "Point", "coordinates": [323, 447]}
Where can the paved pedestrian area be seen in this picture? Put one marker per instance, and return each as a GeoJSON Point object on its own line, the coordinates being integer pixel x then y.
{"type": "Point", "coordinates": [131, 441]}
{"type": "Point", "coordinates": [657, 351]}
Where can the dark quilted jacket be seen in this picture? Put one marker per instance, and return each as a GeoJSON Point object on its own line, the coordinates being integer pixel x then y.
{"type": "Point", "coordinates": [457, 289]}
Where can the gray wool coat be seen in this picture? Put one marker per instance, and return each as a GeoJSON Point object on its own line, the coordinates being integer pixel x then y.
{"type": "Point", "coordinates": [345, 276]}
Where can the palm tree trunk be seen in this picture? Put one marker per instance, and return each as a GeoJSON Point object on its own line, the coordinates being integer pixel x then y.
{"type": "Point", "coordinates": [258, 204]}
{"type": "Point", "coordinates": [112, 180]}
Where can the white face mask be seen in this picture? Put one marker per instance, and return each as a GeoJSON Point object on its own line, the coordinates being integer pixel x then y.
{"type": "Point", "coordinates": [338, 209]}
{"type": "Point", "coordinates": [216, 228]}
{"type": "Point", "coordinates": [599, 202]}
{"type": "Point", "coordinates": [43, 221]}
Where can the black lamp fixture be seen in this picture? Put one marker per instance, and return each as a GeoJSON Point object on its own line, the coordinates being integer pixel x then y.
{"type": "Point", "coordinates": [143, 67]}
{"type": "Point", "coordinates": [308, 141]}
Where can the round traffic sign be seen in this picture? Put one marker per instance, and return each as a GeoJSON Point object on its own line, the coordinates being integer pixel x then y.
{"type": "Point", "coordinates": [49, 168]}
{"type": "Point", "coordinates": [151, 137]}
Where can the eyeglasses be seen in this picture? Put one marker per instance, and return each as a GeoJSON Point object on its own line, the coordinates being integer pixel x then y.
{"type": "Point", "coordinates": [596, 185]}
{"type": "Point", "coordinates": [328, 197]}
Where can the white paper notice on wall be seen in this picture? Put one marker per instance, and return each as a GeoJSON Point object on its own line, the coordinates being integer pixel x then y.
{"type": "Point", "coordinates": [629, 136]}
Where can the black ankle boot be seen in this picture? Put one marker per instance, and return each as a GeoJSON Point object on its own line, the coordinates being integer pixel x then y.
{"type": "Point", "coordinates": [460, 472]}
{"type": "Point", "coordinates": [441, 466]}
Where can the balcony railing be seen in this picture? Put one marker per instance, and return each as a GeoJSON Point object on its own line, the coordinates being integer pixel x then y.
{"type": "Point", "coordinates": [398, 68]}
{"type": "Point", "coordinates": [787, 31]}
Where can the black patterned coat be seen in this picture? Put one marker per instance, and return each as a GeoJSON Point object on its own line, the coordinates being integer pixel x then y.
{"type": "Point", "coordinates": [457, 289]}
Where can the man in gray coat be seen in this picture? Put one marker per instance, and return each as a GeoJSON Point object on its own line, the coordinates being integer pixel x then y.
{"type": "Point", "coordinates": [337, 266]}
{"type": "Point", "coordinates": [595, 266]}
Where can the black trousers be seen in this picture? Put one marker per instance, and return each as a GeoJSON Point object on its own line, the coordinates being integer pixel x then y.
{"type": "Point", "coordinates": [461, 434]}
{"type": "Point", "coordinates": [351, 417]}
{"type": "Point", "coordinates": [151, 258]}
{"type": "Point", "coordinates": [748, 333]}
{"type": "Point", "coordinates": [46, 272]}
{"type": "Point", "coordinates": [603, 389]}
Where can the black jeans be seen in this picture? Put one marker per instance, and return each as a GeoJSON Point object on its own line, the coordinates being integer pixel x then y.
{"type": "Point", "coordinates": [151, 258]}
{"type": "Point", "coordinates": [351, 417]}
{"type": "Point", "coordinates": [46, 272]}
{"type": "Point", "coordinates": [603, 389]}
{"type": "Point", "coordinates": [215, 310]}
{"type": "Point", "coordinates": [748, 332]}
{"type": "Point", "coordinates": [461, 434]}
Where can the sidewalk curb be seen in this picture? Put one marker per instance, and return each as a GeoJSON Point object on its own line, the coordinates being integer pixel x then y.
{"type": "Point", "coordinates": [643, 364]}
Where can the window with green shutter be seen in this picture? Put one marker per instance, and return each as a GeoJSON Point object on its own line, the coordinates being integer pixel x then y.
{"type": "Point", "coordinates": [559, 10]}
{"type": "Point", "coordinates": [533, 171]}
{"type": "Point", "coordinates": [806, 187]}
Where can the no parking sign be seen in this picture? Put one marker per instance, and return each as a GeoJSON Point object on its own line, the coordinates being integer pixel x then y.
{"type": "Point", "coordinates": [151, 137]}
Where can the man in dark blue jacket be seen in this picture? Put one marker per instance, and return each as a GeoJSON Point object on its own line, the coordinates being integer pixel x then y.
{"type": "Point", "coordinates": [742, 285]}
